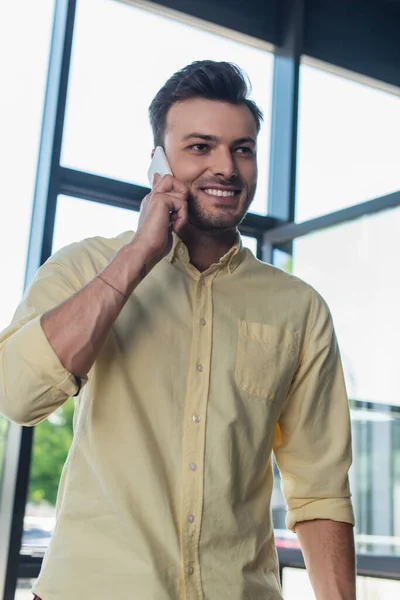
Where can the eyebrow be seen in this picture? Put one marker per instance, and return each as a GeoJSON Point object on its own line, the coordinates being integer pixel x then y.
{"type": "Point", "coordinates": [214, 138]}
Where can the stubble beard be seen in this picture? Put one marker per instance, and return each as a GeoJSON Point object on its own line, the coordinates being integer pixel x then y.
{"type": "Point", "coordinates": [222, 221]}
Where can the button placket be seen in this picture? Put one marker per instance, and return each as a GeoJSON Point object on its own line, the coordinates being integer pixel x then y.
{"type": "Point", "coordinates": [194, 435]}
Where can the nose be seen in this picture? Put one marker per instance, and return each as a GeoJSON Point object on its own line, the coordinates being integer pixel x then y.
{"type": "Point", "coordinates": [223, 164]}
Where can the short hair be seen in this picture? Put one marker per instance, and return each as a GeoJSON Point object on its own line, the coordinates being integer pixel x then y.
{"type": "Point", "coordinates": [201, 79]}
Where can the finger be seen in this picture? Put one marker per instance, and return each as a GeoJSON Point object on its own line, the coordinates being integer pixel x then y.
{"type": "Point", "coordinates": [179, 217]}
{"type": "Point", "coordinates": [169, 183]}
{"type": "Point", "coordinates": [156, 179]}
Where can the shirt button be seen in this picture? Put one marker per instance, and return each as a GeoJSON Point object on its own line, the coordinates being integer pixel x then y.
{"type": "Point", "coordinates": [203, 322]}
{"type": "Point", "coordinates": [190, 570]}
{"type": "Point", "coordinates": [193, 466]}
{"type": "Point", "coordinates": [199, 368]}
{"type": "Point", "coordinates": [190, 518]}
{"type": "Point", "coordinates": [196, 418]}
{"type": "Point", "coordinates": [181, 251]}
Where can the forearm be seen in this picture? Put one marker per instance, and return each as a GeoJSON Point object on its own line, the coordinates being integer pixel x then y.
{"type": "Point", "coordinates": [328, 549]}
{"type": "Point", "coordinates": [77, 328]}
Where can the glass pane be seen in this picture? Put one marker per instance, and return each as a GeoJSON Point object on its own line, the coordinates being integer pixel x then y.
{"type": "Point", "coordinates": [23, 74]}
{"type": "Point", "coordinates": [354, 266]}
{"type": "Point", "coordinates": [23, 591]}
{"type": "Point", "coordinates": [52, 439]}
{"type": "Point", "coordinates": [25, 34]}
{"type": "Point", "coordinates": [111, 86]}
{"type": "Point", "coordinates": [250, 243]}
{"type": "Point", "coordinates": [371, 588]}
{"type": "Point", "coordinates": [296, 585]}
{"type": "Point", "coordinates": [348, 149]}
{"type": "Point", "coordinates": [77, 219]}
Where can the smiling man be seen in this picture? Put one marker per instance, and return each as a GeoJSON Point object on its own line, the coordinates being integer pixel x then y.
{"type": "Point", "coordinates": [191, 363]}
{"type": "Point", "coordinates": [234, 158]}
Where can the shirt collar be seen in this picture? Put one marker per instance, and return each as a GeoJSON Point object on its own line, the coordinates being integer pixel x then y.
{"type": "Point", "coordinates": [230, 260]}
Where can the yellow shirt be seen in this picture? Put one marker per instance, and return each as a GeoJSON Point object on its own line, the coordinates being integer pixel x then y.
{"type": "Point", "coordinates": [166, 491]}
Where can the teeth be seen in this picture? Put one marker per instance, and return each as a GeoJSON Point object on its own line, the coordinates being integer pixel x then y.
{"type": "Point", "coordinates": [223, 193]}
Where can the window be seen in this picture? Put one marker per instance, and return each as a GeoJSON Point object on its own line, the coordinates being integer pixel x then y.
{"type": "Point", "coordinates": [77, 219]}
{"type": "Point", "coordinates": [296, 584]}
{"type": "Point", "coordinates": [354, 266]}
{"type": "Point", "coordinates": [250, 243]}
{"type": "Point", "coordinates": [23, 591]}
{"type": "Point", "coordinates": [23, 77]}
{"type": "Point", "coordinates": [348, 143]}
{"type": "Point", "coordinates": [117, 70]}
{"type": "Point", "coordinates": [27, 41]}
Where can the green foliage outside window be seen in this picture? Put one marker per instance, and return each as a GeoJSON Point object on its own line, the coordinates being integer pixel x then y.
{"type": "Point", "coordinates": [52, 440]}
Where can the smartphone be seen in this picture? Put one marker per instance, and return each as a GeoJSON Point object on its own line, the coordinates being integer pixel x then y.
{"type": "Point", "coordinates": [159, 164]}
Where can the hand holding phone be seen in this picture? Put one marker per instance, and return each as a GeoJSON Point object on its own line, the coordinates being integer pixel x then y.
{"type": "Point", "coordinates": [163, 210]}
{"type": "Point", "coordinates": [159, 164]}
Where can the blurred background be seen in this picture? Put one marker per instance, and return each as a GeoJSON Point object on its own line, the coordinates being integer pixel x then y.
{"type": "Point", "coordinates": [77, 77]}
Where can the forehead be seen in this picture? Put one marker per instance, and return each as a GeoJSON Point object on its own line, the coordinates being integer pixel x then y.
{"type": "Point", "coordinates": [210, 117]}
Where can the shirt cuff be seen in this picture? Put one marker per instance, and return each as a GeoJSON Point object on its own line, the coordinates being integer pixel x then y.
{"type": "Point", "coordinates": [31, 343]}
{"type": "Point", "coordinates": [334, 509]}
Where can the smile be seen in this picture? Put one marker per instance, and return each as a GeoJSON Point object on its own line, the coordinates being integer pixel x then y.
{"type": "Point", "coordinates": [220, 193]}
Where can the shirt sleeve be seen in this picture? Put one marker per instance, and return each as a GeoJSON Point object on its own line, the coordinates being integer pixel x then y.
{"type": "Point", "coordinates": [33, 381]}
{"type": "Point", "coordinates": [314, 448]}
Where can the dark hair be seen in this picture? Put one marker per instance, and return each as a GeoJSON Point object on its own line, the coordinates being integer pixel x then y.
{"type": "Point", "coordinates": [201, 79]}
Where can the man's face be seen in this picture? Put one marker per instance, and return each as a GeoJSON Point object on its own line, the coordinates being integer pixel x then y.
{"type": "Point", "coordinates": [211, 147]}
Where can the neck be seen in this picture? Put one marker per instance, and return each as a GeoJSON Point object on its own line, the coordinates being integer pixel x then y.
{"type": "Point", "coordinates": [206, 247]}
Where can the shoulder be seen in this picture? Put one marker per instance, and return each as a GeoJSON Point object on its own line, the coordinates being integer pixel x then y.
{"type": "Point", "coordinates": [86, 258]}
{"type": "Point", "coordinates": [269, 277]}
{"type": "Point", "coordinates": [283, 292]}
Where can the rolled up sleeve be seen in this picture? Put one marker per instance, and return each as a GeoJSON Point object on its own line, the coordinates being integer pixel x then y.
{"type": "Point", "coordinates": [33, 381]}
{"type": "Point", "coordinates": [314, 450]}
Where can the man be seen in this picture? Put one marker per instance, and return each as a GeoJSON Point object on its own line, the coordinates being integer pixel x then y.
{"type": "Point", "coordinates": [191, 361]}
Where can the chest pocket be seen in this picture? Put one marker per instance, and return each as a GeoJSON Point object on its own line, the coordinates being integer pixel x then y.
{"type": "Point", "coordinates": [266, 359]}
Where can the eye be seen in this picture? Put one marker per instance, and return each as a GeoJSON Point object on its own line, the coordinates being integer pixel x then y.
{"type": "Point", "coordinates": [245, 150]}
{"type": "Point", "coordinates": [200, 147]}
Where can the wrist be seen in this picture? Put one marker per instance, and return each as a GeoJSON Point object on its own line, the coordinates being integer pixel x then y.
{"type": "Point", "coordinates": [141, 250]}
{"type": "Point", "coordinates": [132, 263]}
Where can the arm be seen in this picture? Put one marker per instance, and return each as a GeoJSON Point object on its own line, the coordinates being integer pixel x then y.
{"type": "Point", "coordinates": [313, 449]}
{"type": "Point", "coordinates": [78, 327]}
{"type": "Point", "coordinates": [328, 549]}
{"type": "Point", "coordinates": [61, 323]}
{"type": "Point", "coordinates": [53, 336]}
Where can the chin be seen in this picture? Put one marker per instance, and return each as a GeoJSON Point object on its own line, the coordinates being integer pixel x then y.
{"type": "Point", "coordinates": [215, 222]}
{"type": "Point", "coordinates": [218, 218]}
